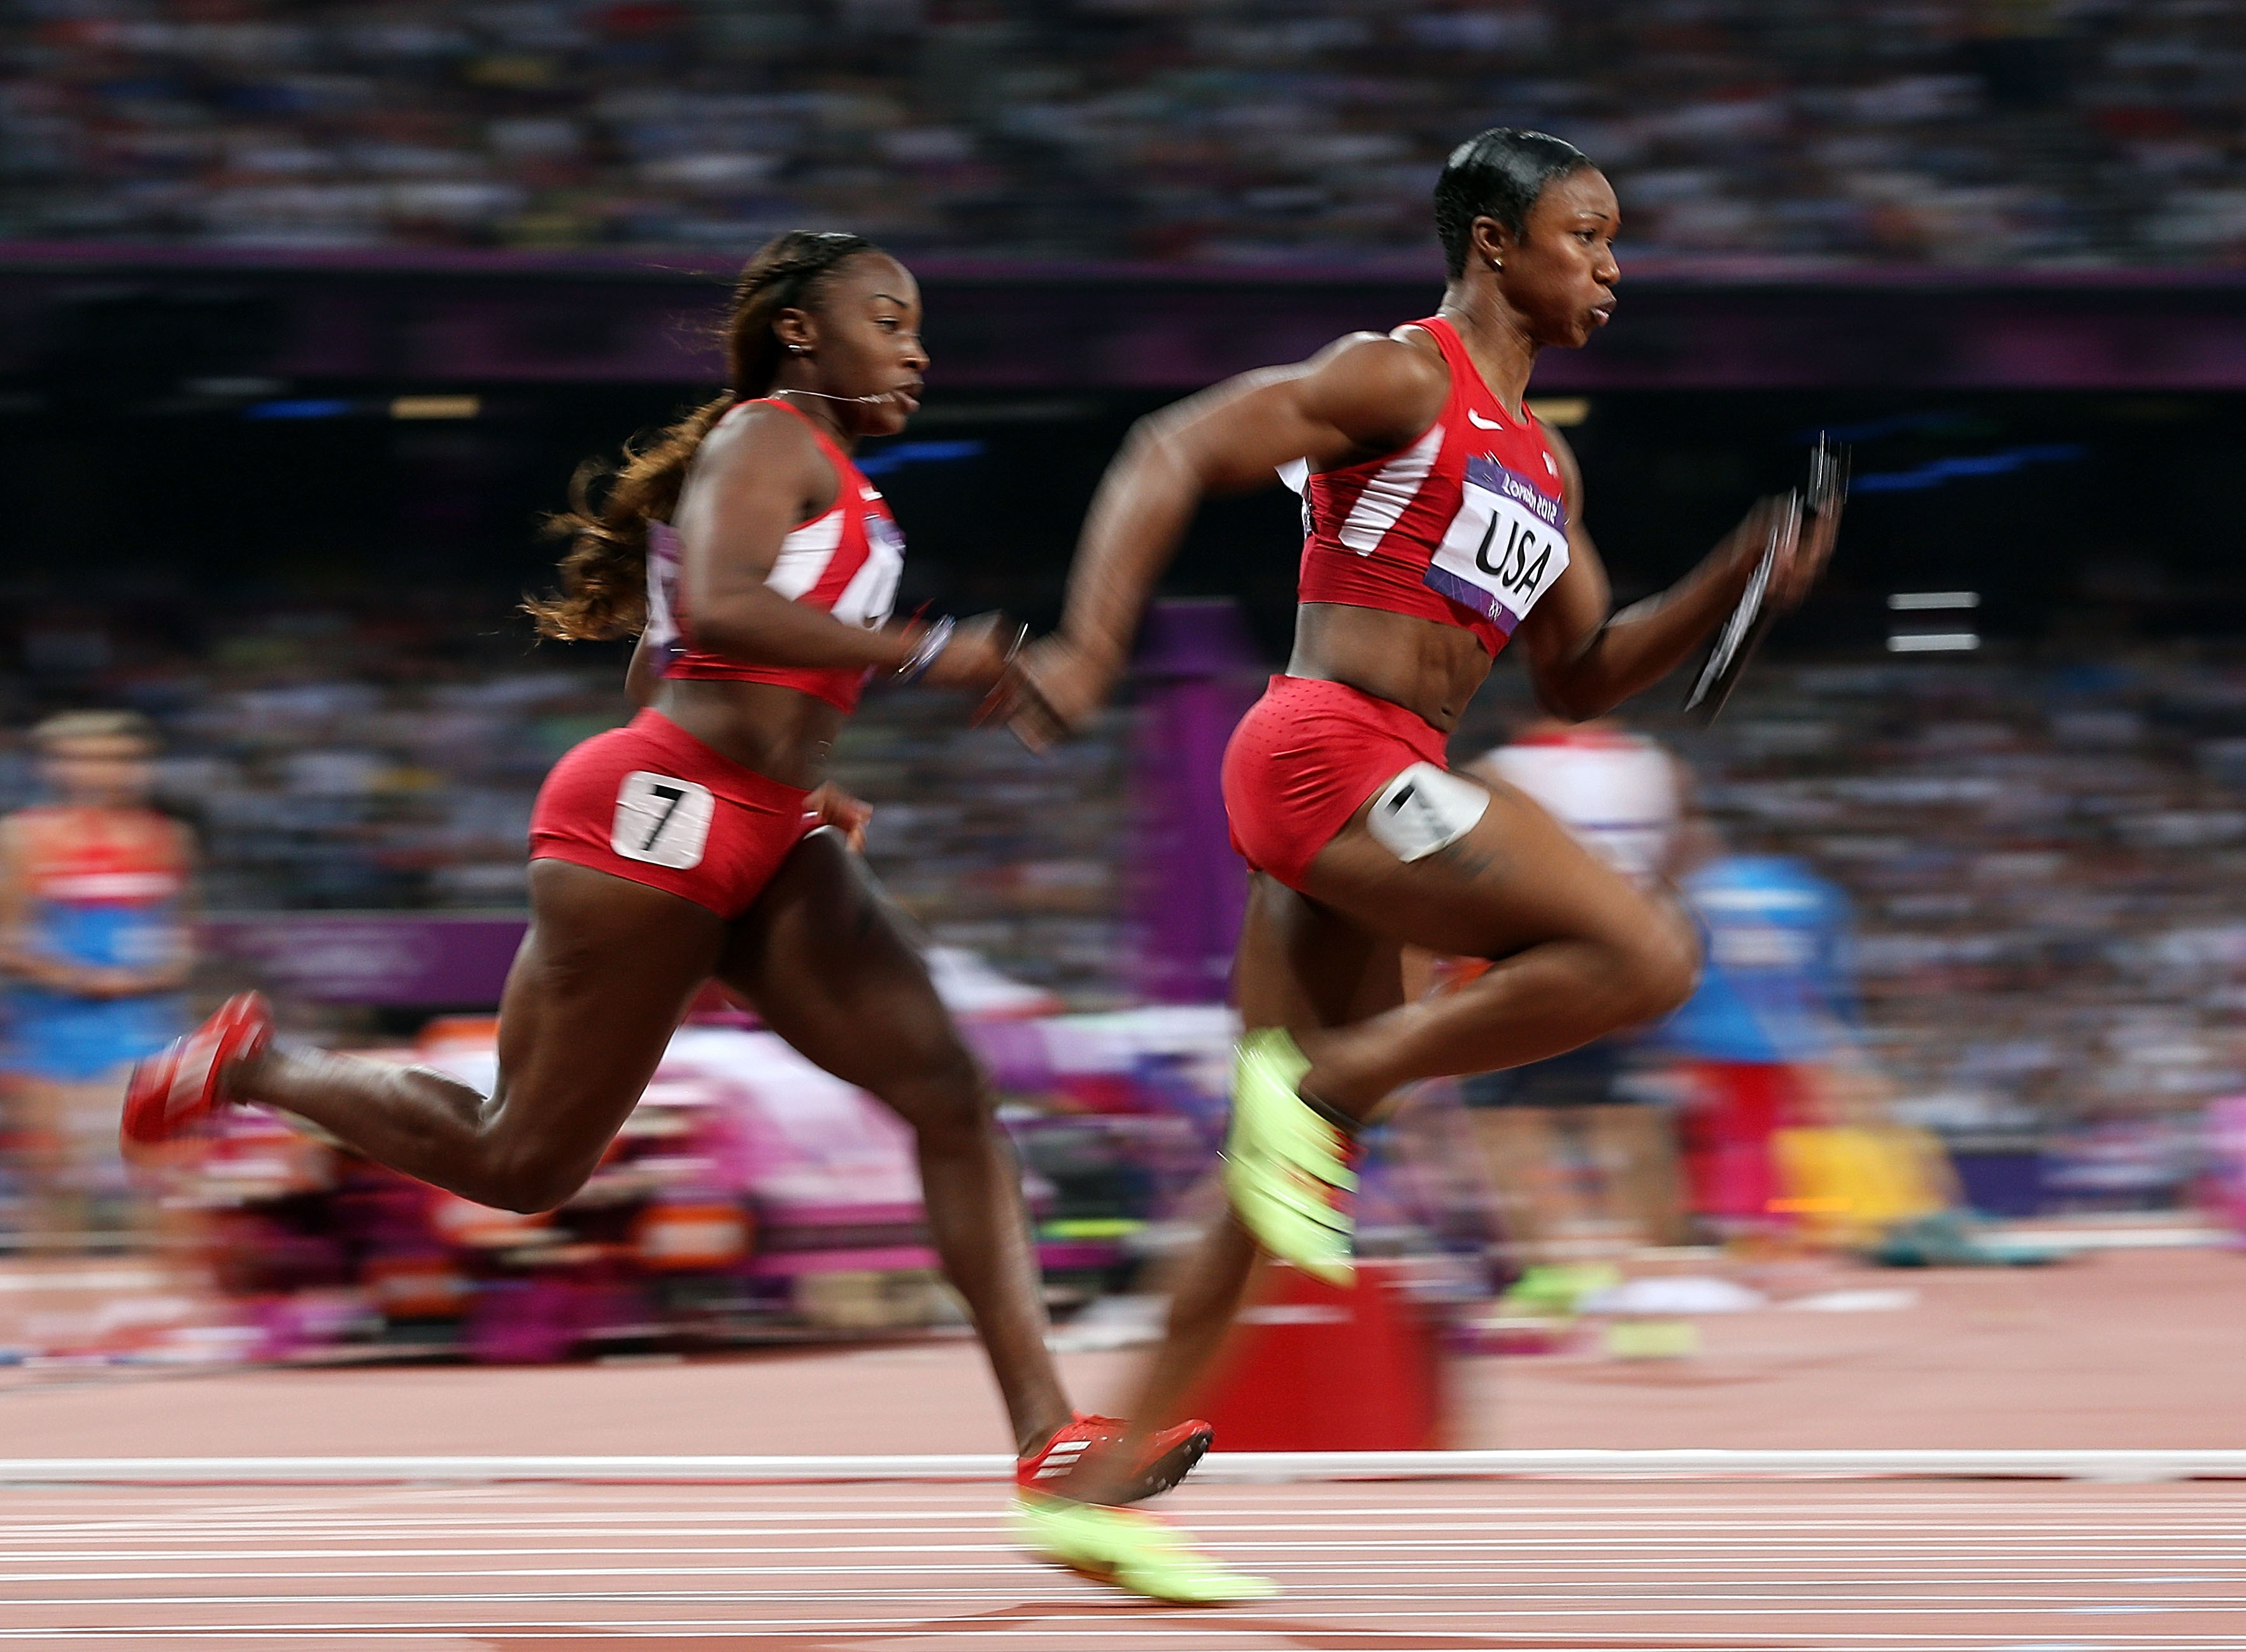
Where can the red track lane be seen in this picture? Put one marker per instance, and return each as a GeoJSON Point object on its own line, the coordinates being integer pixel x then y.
{"type": "Point", "coordinates": [1885, 1566]}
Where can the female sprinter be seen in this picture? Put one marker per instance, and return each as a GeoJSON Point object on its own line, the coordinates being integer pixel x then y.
{"type": "Point", "coordinates": [758, 566]}
{"type": "Point", "coordinates": [1442, 520]}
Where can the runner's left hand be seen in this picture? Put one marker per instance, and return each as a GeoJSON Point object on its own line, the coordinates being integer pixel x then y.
{"type": "Point", "coordinates": [846, 814]}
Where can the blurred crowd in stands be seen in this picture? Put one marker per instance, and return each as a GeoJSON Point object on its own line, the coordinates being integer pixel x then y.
{"type": "Point", "coordinates": [1744, 132]}
{"type": "Point", "coordinates": [2042, 859]}
{"type": "Point", "coordinates": [327, 761]}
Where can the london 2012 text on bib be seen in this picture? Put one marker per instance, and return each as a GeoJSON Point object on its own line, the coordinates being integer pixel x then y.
{"type": "Point", "coordinates": [1504, 548]}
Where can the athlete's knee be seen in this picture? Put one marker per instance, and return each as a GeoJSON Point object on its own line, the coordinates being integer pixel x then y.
{"type": "Point", "coordinates": [531, 1176]}
{"type": "Point", "coordinates": [1661, 967]}
{"type": "Point", "coordinates": [945, 1095]}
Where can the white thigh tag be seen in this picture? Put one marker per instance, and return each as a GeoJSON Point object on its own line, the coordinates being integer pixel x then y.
{"type": "Point", "coordinates": [662, 820]}
{"type": "Point", "coordinates": [1425, 809]}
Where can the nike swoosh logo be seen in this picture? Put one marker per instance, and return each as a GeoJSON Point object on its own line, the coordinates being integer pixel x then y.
{"type": "Point", "coordinates": [1480, 422]}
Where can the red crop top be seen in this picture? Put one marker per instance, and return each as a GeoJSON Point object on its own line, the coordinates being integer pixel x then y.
{"type": "Point", "coordinates": [846, 562]}
{"type": "Point", "coordinates": [1466, 527]}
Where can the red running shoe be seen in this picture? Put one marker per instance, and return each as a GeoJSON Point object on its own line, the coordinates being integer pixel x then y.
{"type": "Point", "coordinates": [1170, 1455]}
{"type": "Point", "coordinates": [173, 1092]}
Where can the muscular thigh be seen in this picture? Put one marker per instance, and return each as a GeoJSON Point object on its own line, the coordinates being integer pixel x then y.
{"type": "Point", "coordinates": [1516, 879]}
{"type": "Point", "coordinates": [606, 971]}
{"type": "Point", "coordinates": [1302, 963]}
{"type": "Point", "coordinates": [824, 958]}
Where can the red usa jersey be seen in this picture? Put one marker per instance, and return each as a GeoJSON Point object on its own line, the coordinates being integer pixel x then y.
{"type": "Point", "coordinates": [846, 562]}
{"type": "Point", "coordinates": [1466, 527]}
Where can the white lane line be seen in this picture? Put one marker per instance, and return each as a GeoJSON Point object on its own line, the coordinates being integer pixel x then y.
{"type": "Point", "coordinates": [777, 1542]}
{"type": "Point", "coordinates": [1247, 1629]}
{"type": "Point", "coordinates": [1965, 1564]}
{"type": "Point", "coordinates": [1315, 1588]}
{"type": "Point", "coordinates": [1707, 1602]}
{"type": "Point", "coordinates": [1503, 1585]}
{"type": "Point", "coordinates": [1714, 1504]}
{"type": "Point", "coordinates": [1684, 1533]}
{"type": "Point", "coordinates": [1654, 1518]}
{"type": "Point", "coordinates": [1250, 1467]}
{"type": "Point", "coordinates": [1490, 1547]}
{"type": "Point", "coordinates": [110, 1504]}
{"type": "Point", "coordinates": [1663, 1557]}
{"type": "Point", "coordinates": [1881, 1608]}
{"type": "Point", "coordinates": [749, 1521]}
{"type": "Point", "coordinates": [1561, 1643]}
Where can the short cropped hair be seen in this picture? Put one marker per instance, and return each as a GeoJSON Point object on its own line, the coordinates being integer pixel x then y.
{"type": "Point", "coordinates": [1497, 174]}
{"type": "Point", "coordinates": [66, 728]}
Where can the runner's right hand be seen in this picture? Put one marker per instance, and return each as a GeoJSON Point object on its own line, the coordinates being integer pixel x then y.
{"type": "Point", "coordinates": [979, 656]}
{"type": "Point", "coordinates": [1061, 687]}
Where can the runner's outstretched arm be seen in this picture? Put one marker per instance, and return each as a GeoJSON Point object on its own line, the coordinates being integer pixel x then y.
{"type": "Point", "coordinates": [1361, 395]}
{"type": "Point", "coordinates": [1585, 661]}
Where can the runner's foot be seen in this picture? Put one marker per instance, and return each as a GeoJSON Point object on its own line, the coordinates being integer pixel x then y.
{"type": "Point", "coordinates": [1291, 1172]}
{"type": "Point", "coordinates": [1169, 1455]}
{"type": "Point", "coordinates": [1131, 1550]}
{"type": "Point", "coordinates": [173, 1092]}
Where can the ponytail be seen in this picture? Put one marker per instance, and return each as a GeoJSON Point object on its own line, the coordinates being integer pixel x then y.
{"type": "Point", "coordinates": [604, 592]}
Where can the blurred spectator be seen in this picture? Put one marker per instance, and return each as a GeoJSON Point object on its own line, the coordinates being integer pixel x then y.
{"type": "Point", "coordinates": [1575, 1152]}
{"type": "Point", "coordinates": [1616, 792]}
{"type": "Point", "coordinates": [95, 950]}
{"type": "Point", "coordinates": [1771, 1010]}
{"type": "Point", "coordinates": [1959, 132]}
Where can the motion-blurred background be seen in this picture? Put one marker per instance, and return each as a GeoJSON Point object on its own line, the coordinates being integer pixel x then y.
{"type": "Point", "coordinates": [307, 311]}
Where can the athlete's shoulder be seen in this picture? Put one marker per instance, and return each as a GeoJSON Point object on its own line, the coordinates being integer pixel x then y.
{"type": "Point", "coordinates": [1367, 381]}
{"type": "Point", "coordinates": [1405, 359]}
{"type": "Point", "coordinates": [765, 444]}
{"type": "Point", "coordinates": [767, 428]}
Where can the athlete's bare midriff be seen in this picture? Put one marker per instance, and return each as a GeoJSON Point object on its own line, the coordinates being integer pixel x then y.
{"type": "Point", "coordinates": [778, 733]}
{"type": "Point", "coordinates": [1429, 669]}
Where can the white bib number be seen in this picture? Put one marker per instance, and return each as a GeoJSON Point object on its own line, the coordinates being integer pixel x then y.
{"type": "Point", "coordinates": [662, 820]}
{"type": "Point", "coordinates": [1506, 547]}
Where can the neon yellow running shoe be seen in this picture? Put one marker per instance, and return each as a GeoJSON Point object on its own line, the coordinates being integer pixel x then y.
{"type": "Point", "coordinates": [1130, 1549]}
{"type": "Point", "coordinates": [1290, 1173]}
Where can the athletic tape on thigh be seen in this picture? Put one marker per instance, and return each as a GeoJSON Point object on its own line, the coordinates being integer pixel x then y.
{"type": "Point", "coordinates": [1425, 809]}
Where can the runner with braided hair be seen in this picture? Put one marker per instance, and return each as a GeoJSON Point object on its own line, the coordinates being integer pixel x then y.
{"type": "Point", "coordinates": [758, 567]}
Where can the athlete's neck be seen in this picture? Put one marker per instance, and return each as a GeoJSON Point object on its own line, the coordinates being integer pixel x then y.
{"type": "Point", "coordinates": [1496, 343]}
{"type": "Point", "coordinates": [830, 413]}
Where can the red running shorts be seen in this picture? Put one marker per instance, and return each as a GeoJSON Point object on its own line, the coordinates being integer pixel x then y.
{"type": "Point", "coordinates": [1306, 757]}
{"type": "Point", "coordinates": [651, 803]}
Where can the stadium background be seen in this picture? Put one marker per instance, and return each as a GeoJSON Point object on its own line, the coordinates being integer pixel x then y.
{"type": "Point", "coordinates": [309, 308]}
{"type": "Point", "coordinates": [308, 312]}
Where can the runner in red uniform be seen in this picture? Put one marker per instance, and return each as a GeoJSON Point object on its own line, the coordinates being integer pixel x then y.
{"type": "Point", "coordinates": [1443, 520]}
{"type": "Point", "coordinates": [758, 566]}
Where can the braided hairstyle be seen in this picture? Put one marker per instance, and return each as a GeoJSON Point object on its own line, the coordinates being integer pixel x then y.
{"type": "Point", "coordinates": [604, 574]}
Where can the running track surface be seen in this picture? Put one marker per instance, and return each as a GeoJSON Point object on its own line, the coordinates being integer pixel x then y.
{"type": "Point", "coordinates": [1368, 1567]}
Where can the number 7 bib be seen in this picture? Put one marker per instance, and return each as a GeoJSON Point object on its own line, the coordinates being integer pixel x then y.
{"type": "Point", "coordinates": [1505, 547]}
{"type": "Point", "coordinates": [662, 820]}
